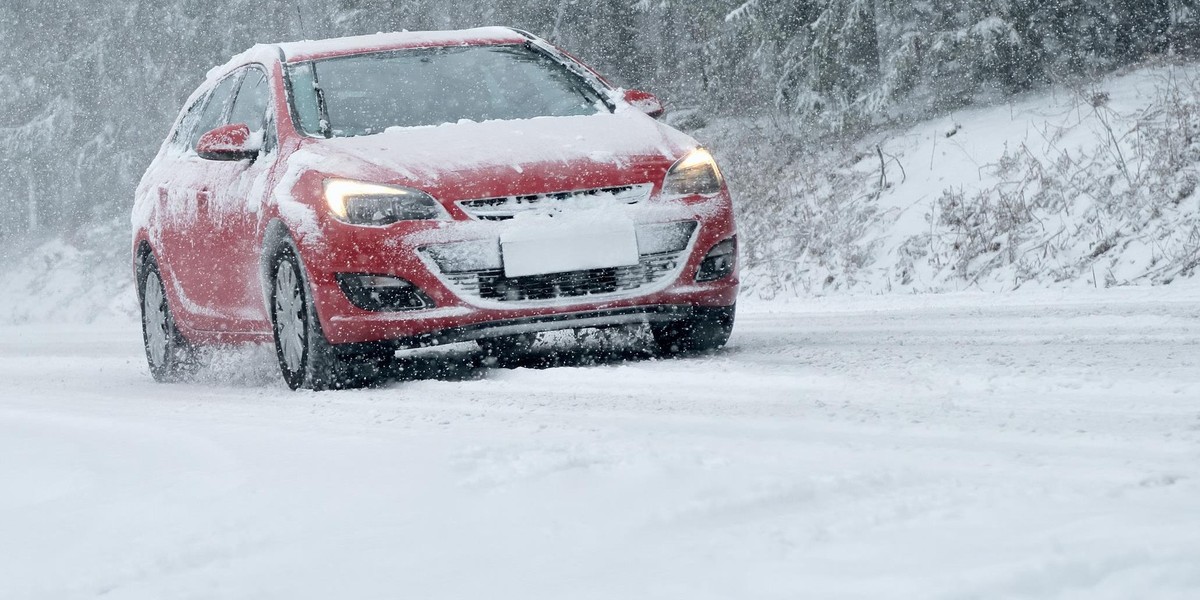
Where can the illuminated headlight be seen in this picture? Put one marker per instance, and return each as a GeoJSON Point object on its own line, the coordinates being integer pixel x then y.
{"type": "Point", "coordinates": [696, 173]}
{"type": "Point", "coordinates": [360, 203]}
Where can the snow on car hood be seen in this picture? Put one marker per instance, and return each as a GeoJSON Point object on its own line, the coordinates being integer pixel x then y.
{"type": "Point", "coordinates": [426, 154]}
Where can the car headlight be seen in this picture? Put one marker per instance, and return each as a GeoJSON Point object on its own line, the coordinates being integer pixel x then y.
{"type": "Point", "coordinates": [360, 203]}
{"type": "Point", "coordinates": [696, 173]}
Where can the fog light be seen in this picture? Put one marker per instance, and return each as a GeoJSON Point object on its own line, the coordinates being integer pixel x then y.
{"type": "Point", "coordinates": [382, 293]}
{"type": "Point", "coordinates": [719, 262]}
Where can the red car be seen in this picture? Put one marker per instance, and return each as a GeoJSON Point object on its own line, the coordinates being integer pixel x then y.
{"type": "Point", "coordinates": [347, 198]}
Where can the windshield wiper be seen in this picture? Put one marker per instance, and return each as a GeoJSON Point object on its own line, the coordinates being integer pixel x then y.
{"type": "Point", "coordinates": [322, 109]}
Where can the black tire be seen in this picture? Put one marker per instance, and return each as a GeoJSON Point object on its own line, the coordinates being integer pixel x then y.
{"type": "Point", "coordinates": [704, 330]}
{"type": "Point", "coordinates": [306, 358]}
{"type": "Point", "coordinates": [169, 355]}
{"type": "Point", "coordinates": [507, 346]}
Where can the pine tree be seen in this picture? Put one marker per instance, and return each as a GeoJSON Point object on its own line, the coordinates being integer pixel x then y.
{"type": "Point", "coordinates": [87, 89]}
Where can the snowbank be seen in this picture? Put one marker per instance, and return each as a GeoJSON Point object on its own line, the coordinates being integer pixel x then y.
{"type": "Point", "coordinates": [69, 281]}
{"type": "Point", "coordinates": [1092, 186]}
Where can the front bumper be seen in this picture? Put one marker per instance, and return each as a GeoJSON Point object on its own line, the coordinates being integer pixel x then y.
{"type": "Point", "coordinates": [532, 324]}
{"type": "Point", "coordinates": [461, 313]}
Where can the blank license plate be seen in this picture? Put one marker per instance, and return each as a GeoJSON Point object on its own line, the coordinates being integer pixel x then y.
{"type": "Point", "coordinates": [554, 248]}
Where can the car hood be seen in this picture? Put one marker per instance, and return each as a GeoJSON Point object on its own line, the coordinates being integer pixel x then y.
{"type": "Point", "coordinates": [495, 158]}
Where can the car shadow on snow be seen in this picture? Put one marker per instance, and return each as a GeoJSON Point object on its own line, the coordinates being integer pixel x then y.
{"type": "Point", "coordinates": [467, 362]}
{"type": "Point", "coordinates": [560, 349]}
{"type": "Point", "coordinates": [255, 366]}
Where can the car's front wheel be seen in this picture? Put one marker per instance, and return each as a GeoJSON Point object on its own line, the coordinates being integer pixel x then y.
{"type": "Point", "coordinates": [306, 358]}
{"type": "Point", "coordinates": [704, 330]}
{"type": "Point", "coordinates": [169, 355]}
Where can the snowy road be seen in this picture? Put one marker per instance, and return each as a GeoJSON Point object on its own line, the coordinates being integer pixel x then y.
{"type": "Point", "coordinates": [949, 447]}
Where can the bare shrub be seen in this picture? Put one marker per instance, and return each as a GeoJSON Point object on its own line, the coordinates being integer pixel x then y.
{"type": "Point", "coordinates": [1120, 209]}
{"type": "Point", "coordinates": [1127, 191]}
{"type": "Point", "coordinates": [802, 210]}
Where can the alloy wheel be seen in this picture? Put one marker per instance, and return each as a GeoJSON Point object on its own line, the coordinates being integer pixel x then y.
{"type": "Point", "coordinates": [291, 323]}
{"type": "Point", "coordinates": [155, 322]}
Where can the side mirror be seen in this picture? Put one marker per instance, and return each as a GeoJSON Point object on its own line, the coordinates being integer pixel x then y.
{"type": "Point", "coordinates": [228, 142]}
{"type": "Point", "coordinates": [645, 102]}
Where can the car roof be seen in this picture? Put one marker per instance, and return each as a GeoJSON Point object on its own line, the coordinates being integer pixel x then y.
{"type": "Point", "coordinates": [293, 52]}
{"type": "Point", "coordinates": [480, 36]}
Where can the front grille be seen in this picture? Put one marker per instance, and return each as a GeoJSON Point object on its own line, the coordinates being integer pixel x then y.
{"type": "Point", "coordinates": [491, 284]}
{"type": "Point", "coordinates": [499, 209]}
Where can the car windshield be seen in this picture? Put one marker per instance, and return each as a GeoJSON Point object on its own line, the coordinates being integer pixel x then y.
{"type": "Point", "coordinates": [368, 93]}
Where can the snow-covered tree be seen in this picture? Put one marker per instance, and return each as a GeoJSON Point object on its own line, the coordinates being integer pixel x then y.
{"type": "Point", "coordinates": [87, 89]}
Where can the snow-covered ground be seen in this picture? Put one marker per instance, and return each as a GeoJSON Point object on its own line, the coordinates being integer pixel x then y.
{"type": "Point", "coordinates": [1035, 445]}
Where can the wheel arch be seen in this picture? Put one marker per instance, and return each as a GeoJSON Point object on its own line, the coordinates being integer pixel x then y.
{"type": "Point", "coordinates": [143, 254]}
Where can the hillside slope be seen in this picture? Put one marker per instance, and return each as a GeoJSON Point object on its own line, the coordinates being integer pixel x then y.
{"type": "Point", "coordinates": [1090, 186]}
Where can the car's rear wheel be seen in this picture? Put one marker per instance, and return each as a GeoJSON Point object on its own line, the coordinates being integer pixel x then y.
{"type": "Point", "coordinates": [704, 330]}
{"type": "Point", "coordinates": [306, 358]}
{"type": "Point", "coordinates": [169, 355]}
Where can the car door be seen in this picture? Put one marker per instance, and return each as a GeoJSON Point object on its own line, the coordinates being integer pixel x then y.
{"type": "Point", "coordinates": [183, 236]}
{"type": "Point", "coordinates": [169, 232]}
{"type": "Point", "coordinates": [236, 191]}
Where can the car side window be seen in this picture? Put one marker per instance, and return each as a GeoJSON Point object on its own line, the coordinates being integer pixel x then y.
{"type": "Point", "coordinates": [250, 107]}
{"type": "Point", "coordinates": [216, 108]}
{"type": "Point", "coordinates": [184, 131]}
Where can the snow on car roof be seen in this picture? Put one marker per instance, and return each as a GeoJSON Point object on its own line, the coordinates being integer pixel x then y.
{"type": "Point", "coordinates": [311, 49]}
{"type": "Point", "coordinates": [314, 49]}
